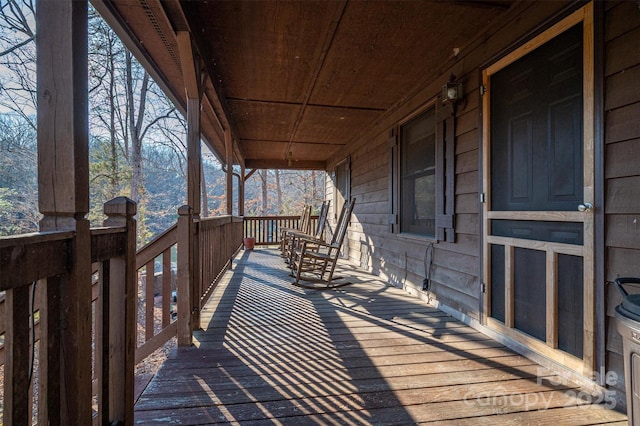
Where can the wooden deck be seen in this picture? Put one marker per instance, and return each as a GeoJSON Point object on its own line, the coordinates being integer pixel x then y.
{"type": "Point", "coordinates": [365, 353]}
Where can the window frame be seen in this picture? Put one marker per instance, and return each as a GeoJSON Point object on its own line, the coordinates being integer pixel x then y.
{"type": "Point", "coordinates": [344, 164]}
{"type": "Point", "coordinates": [444, 170]}
{"type": "Point", "coordinates": [404, 175]}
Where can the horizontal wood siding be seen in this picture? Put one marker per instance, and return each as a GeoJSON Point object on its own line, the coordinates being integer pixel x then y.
{"type": "Point", "coordinates": [455, 270]}
{"type": "Point", "coordinates": [622, 164]}
{"type": "Point", "coordinates": [455, 267]}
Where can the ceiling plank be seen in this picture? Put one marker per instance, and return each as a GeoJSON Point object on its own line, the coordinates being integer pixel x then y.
{"type": "Point", "coordinates": [331, 33]}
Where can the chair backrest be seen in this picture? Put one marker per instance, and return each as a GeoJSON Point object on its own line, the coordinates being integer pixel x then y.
{"type": "Point", "coordinates": [322, 219]}
{"type": "Point", "coordinates": [343, 223]}
{"type": "Point", "coordinates": [305, 220]}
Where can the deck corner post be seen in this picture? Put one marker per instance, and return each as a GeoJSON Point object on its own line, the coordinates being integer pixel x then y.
{"type": "Point", "coordinates": [228, 143]}
{"type": "Point", "coordinates": [185, 274]}
{"type": "Point", "coordinates": [122, 297]}
{"type": "Point", "coordinates": [63, 200]}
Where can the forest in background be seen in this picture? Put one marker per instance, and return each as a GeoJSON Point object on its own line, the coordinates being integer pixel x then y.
{"type": "Point", "coordinates": [136, 140]}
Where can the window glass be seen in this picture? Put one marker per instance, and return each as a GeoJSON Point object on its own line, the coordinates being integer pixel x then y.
{"type": "Point", "coordinates": [417, 173]}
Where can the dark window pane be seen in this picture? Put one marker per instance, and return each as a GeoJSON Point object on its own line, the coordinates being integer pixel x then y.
{"type": "Point", "coordinates": [570, 304]}
{"type": "Point", "coordinates": [530, 291]}
{"type": "Point", "coordinates": [497, 282]}
{"type": "Point", "coordinates": [417, 172]}
{"type": "Point", "coordinates": [536, 129]}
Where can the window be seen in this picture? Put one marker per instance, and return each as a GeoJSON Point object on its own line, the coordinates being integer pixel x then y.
{"type": "Point", "coordinates": [418, 175]}
{"type": "Point", "coordinates": [422, 175]}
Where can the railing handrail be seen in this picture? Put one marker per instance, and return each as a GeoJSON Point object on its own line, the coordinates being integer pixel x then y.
{"type": "Point", "coordinates": [46, 256]}
{"type": "Point", "coordinates": [157, 246]}
{"type": "Point", "coordinates": [287, 217]}
{"type": "Point", "coordinates": [22, 267]}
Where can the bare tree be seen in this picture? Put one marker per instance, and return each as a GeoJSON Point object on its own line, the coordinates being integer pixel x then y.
{"type": "Point", "coordinates": [278, 192]}
{"type": "Point", "coordinates": [18, 58]}
{"type": "Point", "coordinates": [18, 171]}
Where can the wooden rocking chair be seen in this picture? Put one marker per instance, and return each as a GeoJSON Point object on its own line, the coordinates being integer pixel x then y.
{"type": "Point", "coordinates": [294, 237]}
{"type": "Point", "coordinates": [314, 260]}
{"type": "Point", "coordinates": [303, 226]}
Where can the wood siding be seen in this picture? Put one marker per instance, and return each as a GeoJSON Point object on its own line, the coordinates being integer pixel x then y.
{"type": "Point", "coordinates": [455, 270]}
{"type": "Point", "coordinates": [621, 163]}
{"type": "Point", "coordinates": [455, 267]}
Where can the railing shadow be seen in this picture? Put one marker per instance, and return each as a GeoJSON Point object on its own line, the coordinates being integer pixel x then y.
{"type": "Point", "coordinates": [275, 352]}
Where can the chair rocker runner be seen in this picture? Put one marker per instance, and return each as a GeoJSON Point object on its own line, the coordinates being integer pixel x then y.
{"type": "Point", "coordinates": [314, 260]}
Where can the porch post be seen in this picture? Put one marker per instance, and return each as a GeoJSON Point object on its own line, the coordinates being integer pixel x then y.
{"type": "Point", "coordinates": [194, 154]}
{"type": "Point", "coordinates": [185, 275]}
{"type": "Point", "coordinates": [241, 190]}
{"type": "Point", "coordinates": [194, 160]}
{"type": "Point", "coordinates": [228, 144]}
{"type": "Point", "coordinates": [123, 298]}
{"type": "Point", "coordinates": [63, 190]}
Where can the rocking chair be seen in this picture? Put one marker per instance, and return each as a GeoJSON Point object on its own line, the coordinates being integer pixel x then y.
{"type": "Point", "coordinates": [314, 260]}
{"type": "Point", "coordinates": [303, 226]}
{"type": "Point", "coordinates": [293, 237]}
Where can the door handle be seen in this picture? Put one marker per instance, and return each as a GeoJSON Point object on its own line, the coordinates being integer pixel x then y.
{"type": "Point", "coordinates": [586, 207]}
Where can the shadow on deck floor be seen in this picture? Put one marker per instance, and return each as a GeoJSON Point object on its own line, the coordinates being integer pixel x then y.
{"type": "Point", "coordinates": [366, 353]}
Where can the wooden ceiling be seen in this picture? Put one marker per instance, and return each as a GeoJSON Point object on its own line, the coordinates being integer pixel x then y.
{"type": "Point", "coordinates": [296, 81]}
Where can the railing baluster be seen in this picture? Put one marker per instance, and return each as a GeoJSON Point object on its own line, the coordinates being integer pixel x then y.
{"type": "Point", "coordinates": [16, 396]}
{"type": "Point", "coordinates": [149, 299]}
{"type": "Point", "coordinates": [49, 367]}
{"type": "Point", "coordinates": [167, 275]}
{"type": "Point", "coordinates": [196, 282]}
{"type": "Point", "coordinates": [103, 309]}
{"type": "Point", "coordinates": [266, 229]}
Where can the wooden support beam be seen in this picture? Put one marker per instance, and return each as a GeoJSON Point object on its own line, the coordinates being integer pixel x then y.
{"type": "Point", "coordinates": [191, 77]}
{"type": "Point", "coordinates": [63, 191]}
{"type": "Point", "coordinates": [187, 60]}
{"type": "Point", "coordinates": [284, 164]}
{"type": "Point", "coordinates": [185, 274]}
{"type": "Point", "coordinates": [241, 191]}
{"type": "Point", "coordinates": [248, 175]}
{"type": "Point", "coordinates": [63, 148]}
{"type": "Point", "coordinates": [122, 316]}
{"type": "Point", "coordinates": [228, 144]}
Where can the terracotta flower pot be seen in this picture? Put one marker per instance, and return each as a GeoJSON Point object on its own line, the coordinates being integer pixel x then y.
{"type": "Point", "coordinates": [249, 243]}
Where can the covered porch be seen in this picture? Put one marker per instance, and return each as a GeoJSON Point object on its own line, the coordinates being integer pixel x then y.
{"type": "Point", "coordinates": [364, 353]}
{"type": "Point", "coordinates": [335, 86]}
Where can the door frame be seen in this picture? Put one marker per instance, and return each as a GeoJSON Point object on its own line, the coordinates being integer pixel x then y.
{"type": "Point", "coordinates": [585, 365]}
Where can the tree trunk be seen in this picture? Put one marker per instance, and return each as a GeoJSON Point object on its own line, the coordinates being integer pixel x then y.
{"type": "Point", "coordinates": [278, 193]}
{"type": "Point", "coordinates": [135, 127]}
{"type": "Point", "coordinates": [114, 181]}
{"type": "Point", "coordinates": [263, 178]}
{"type": "Point", "coordinates": [314, 188]}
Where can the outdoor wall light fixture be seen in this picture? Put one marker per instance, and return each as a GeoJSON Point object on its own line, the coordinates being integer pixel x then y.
{"type": "Point", "coordinates": [452, 92]}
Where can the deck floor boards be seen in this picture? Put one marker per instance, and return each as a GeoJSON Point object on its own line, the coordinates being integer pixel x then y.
{"type": "Point", "coordinates": [365, 353]}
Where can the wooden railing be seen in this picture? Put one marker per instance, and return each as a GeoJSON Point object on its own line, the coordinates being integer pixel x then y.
{"type": "Point", "coordinates": [41, 305]}
{"type": "Point", "coordinates": [266, 229]}
{"type": "Point", "coordinates": [219, 240]}
{"type": "Point", "coordinates": [155, 292]}
{"type": "Point", "coordinates": [36, 270]}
